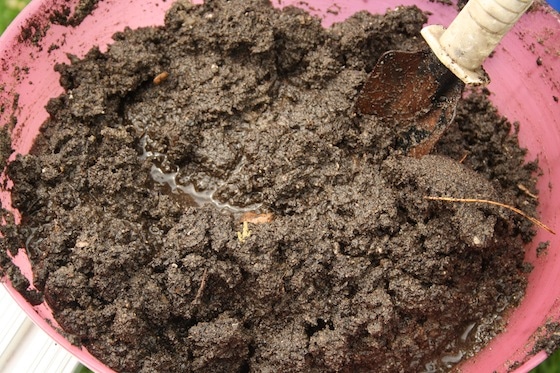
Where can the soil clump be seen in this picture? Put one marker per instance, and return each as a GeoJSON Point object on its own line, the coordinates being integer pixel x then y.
{"type": "Point", "coordinates": [203, 198]}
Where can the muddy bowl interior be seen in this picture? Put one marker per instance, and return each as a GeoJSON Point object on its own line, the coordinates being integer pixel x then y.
{"type": "Point", "coordinates": [525, 73]}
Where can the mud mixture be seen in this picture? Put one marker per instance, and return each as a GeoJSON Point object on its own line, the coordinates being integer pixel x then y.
{"type": "Point", "coordinates": [203, 198]}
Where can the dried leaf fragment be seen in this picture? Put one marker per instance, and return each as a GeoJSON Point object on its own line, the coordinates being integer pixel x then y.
{"type": "Point", "coordinates": [161, 77]}
{"type": "Point", "coordinates": [254, 218]}
{"type": "Point", "coordinates": [245, 233]}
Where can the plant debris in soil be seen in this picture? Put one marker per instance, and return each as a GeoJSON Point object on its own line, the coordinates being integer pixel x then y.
{"type": "Point", "coordinates": [204, 198]}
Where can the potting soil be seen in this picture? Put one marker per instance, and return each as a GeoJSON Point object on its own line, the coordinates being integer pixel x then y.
{"type": "Point", "coordinates": [205, 198]}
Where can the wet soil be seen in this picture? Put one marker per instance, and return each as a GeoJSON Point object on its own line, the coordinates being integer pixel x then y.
{"type": "Point", "coordinates": [59, 13]}
{"type": "Point", "coordinates": [68, 17]}
{"type": "Point", "coordinates": [204, 198]}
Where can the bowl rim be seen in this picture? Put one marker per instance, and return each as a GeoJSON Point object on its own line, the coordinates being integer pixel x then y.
{"type": "Point", "coordinates": [36, 11]}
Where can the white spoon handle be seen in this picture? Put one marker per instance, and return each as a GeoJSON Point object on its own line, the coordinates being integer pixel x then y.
{"type": "Point", "coordinates": [473, 35]}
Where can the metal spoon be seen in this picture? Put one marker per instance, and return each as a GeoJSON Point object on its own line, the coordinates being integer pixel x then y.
{"type": "Point", "coordinates": [418, 92]}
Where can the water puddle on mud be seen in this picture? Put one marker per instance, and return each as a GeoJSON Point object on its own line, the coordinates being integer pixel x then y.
{"type": "Point", "coordinates": [187, 193]}
{"type": "Point", "coordinates": [457, 351]}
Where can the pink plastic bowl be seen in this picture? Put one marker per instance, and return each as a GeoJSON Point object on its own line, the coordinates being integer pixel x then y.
{"type": "Point", "coordinates": [522, 89]}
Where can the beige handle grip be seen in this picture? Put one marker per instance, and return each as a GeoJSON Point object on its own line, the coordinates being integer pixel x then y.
{"type": "Point", "coordinates": [473, 35]}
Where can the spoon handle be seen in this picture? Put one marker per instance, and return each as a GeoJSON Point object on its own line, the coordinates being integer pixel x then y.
{"type": "Point", "coordinates": [473, 35]}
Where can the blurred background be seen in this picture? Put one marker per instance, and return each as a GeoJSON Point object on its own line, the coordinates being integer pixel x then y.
{"type": "Point", "coordinates": [27, 338]}
{"type": "Point", "coordinates": [8, 10]}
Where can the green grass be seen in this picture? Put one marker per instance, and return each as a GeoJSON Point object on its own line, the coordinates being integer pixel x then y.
{"type": "Point", "coordinates": [550, 365]}
{"type": "Point", "coordinates": [10, 8]}
{"type": "Point", "coordinates": [82, 369]}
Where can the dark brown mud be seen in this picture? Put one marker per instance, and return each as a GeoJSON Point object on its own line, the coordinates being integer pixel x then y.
{"type": "Point", "coordinates": [234, 214]}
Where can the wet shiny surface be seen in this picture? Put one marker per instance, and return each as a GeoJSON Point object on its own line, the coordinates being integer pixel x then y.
{"type": "Point", "coordinates": [416, 93]}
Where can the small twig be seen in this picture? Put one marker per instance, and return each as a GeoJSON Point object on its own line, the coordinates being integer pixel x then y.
{"type": "Point", "coordinates": [201, 288]}
{"type": "Point", "coordinates": [525, 190]}
{"type": "Point", "coordinates": [474, 200]}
